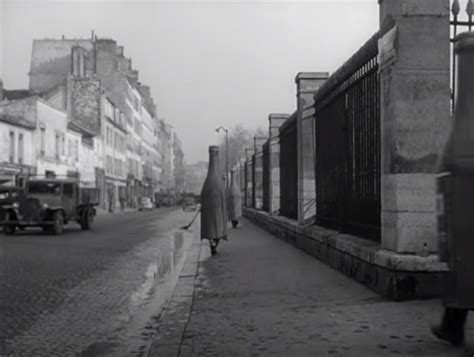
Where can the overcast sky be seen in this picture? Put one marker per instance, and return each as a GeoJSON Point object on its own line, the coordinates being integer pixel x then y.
{"type": "Point", "coordinates": [208, 63]}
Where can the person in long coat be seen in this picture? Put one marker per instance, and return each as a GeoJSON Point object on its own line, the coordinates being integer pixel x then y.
{"type": "Point", "coordinates": [234, 199]}
{"type": "Point", "coordinates": [456, 193]}
{"type": "Point", "coordinates": [213, 204]}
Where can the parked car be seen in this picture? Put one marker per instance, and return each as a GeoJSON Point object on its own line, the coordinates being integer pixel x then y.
{"type": "Point", "coordinates": [145, 204]}
{"type": "Point", "coordinates": [9, 195]}
{"type": "Point", "coordinates": [189, 204]}
{"type": "Point", "coordinates": [49, 203]}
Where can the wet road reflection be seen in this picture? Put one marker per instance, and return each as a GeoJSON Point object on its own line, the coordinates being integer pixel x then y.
{"type": "Point", "coordinates": [91, 294]}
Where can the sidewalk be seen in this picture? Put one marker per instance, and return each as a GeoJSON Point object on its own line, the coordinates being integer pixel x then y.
{"type": "Point", "coordinates": [262, 297]}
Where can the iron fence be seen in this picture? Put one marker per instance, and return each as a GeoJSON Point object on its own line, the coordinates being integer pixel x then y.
{"type": "Point", "coordinates": [347, 133]}
{"type": "Point", "coordinates": [252, 170]}
{"type": "Point", "coordinates": [289, 168]}
{"type": "Point", "coordinates": [266, 176]}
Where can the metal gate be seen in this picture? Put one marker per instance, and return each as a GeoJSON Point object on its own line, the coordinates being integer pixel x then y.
{"type": "Point", "coordinates": [347, 136]}
{"type": "Point", "coordinates": [289, 168]}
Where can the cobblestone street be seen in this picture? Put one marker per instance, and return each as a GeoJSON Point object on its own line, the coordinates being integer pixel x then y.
{"type": "Point", "coordinates": [89, 293]}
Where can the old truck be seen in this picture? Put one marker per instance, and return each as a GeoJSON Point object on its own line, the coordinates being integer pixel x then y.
{"type": "Point", "coordinates": [49, 203]}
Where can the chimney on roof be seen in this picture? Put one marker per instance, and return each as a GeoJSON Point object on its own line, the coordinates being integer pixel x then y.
{"type": "Point", "coordinates": [92, 35]}
{"type": "Point", "coordinates": [119, 50]}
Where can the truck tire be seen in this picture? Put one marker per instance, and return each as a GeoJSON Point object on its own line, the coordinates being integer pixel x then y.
{"type": "Point", "coordinates": [9, 228]}
{"type": "Point", "coordinates": [58, 223]}
{"type": "Point", "coordinates": [86, 219]}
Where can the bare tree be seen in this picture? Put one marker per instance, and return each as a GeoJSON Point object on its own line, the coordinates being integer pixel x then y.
{"type": "Point", "coordinates": [240, 138]}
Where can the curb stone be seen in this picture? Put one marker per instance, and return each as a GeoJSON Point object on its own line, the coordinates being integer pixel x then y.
{"type": "Point", "coordinates": [169, 336]}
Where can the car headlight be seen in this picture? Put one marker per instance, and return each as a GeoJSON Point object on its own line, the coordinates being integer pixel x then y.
{"type": "Point", "coordinates": [44, 205]}
{"type": "Point", "coordinates": [15, 205]}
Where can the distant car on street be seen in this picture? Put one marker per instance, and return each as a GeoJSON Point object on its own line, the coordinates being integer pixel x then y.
{"type": "Point", "coordinates": [145, 204]}
{"type": "Point", "coordinates": [49, 203]}
{"type": "Point", "coordinates": [189, 204]}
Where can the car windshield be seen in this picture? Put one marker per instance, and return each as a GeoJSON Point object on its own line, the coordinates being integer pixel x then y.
{"type": "Point", "coordinates": [144, 200]}
{"type": "Point", "coordinates": [44, 187]}
{"type": "Point", "coordinates": [189, 201]}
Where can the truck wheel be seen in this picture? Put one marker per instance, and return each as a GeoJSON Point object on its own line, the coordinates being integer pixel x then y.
{"type": "Point", "coordinates": [9, 228]}
{"type": "Point", "coordinates": [86, 219]}
{"type": "Point", "coordinates": [58, 223]}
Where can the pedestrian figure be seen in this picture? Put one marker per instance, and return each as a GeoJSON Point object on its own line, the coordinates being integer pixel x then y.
{"type": "Point", "coordinates": [213, 204]}
{"type": "Point", "coordinates": [234, 198]}
{"type": "Point", "coordinates": [456, 225]}
{"type": "Point", "coordinates": [111, 199]}
{"type": "Point", "coordinates": [122, 203]}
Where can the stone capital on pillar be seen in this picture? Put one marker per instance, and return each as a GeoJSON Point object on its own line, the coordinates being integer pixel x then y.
{"type": "Point", "coordinates": [414, 67]}
{"type": "Point", "coordinates": [390, 10]}
{"type": "Point", "coordinates": [275, 120]}
{"type": "Point", "coordinates": [307, 83]}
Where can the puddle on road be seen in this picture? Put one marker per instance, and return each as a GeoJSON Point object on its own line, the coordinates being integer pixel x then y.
{"type": "Point", "coordinates": [147, 302]}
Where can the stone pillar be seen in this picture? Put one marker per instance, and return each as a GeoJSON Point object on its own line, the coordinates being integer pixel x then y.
{"type": "Point", "coordinates": [414, 60]}
{"type": "Point", "coordinates": [274, 156]}
{"type": "Point", "coordinates": [258, 179]}
{"type": "Point", "coordinates": [307, 83]}
{"type": "Point", "coordinates": [249, 178]}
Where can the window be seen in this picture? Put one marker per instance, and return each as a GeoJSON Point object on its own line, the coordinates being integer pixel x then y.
{"type": "Point", "coordinates": [129, 120]}
{"type": "Point", "coordinates": [20, 148]}
{"type": "Point", "coordinates": [41, 187]}
{"type": "Point", "coordinates": [63, 145]}
{"type": "Point", "coordinates": [12, 146]}
{"type": "Point", "coordinates": [109, 165]}
{"type": "Point", "coordinates": [76, 150]}
{"type": "Point", "coordinates": [118, 170]}
{"type": "Point", "coordinates": [136, 103]}
{"type": "Point", "coordinates": [68, 189]}
{"type": "Point", "coordinates": [109, 137]}
{"type": "Point", "coordinates": [42, 141]}
{"type": "Point", "coordinates": [109, 109]}
{"type": "Point", "coordinates": [57, 146]}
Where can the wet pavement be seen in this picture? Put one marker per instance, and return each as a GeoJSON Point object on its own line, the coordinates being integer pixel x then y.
{"type": "Point", "coordinates": [97, 293]}
{"type": "Point", "coordinates": [260, 296]}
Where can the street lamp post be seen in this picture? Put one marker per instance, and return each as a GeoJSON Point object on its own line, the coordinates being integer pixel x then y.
{"type": "Point", "coordinates": [226, 153]}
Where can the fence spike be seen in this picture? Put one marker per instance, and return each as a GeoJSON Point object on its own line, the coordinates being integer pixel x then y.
{"type": "Point", "coordinates": [470, 8]}
{"type": "Point", "coordinates": [455, 8]}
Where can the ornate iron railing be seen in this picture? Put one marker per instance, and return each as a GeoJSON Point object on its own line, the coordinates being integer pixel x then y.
{"type": "Point", "coordinates": [289, 168]}
{"type": "Point", "coordinates": [347, 114]}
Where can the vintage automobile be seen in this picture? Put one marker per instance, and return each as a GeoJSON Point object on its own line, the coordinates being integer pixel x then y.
{"type": "Point", "coordinates": [9, 195]}
{"type": "Point", "coordinates": [189, 204]}
{"type": "Point", "coordinates": [49, 203]}
{"type": "Point", "coordinates": [145, 204]}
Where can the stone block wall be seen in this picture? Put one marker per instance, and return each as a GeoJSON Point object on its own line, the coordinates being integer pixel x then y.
{"type": "Point", "coordinates": [85, 103]}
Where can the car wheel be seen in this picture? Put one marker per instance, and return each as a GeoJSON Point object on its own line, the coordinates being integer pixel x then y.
{"type": "Point", "coordinates": [86, 219]}
{"type": "Point", "coordinates": [9, 228]}
{"type": "Point", "coordinates": [58, 223]}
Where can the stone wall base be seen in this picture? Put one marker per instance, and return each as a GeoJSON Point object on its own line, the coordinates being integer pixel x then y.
{"type": "Point", "coordinates": [395, 276]}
